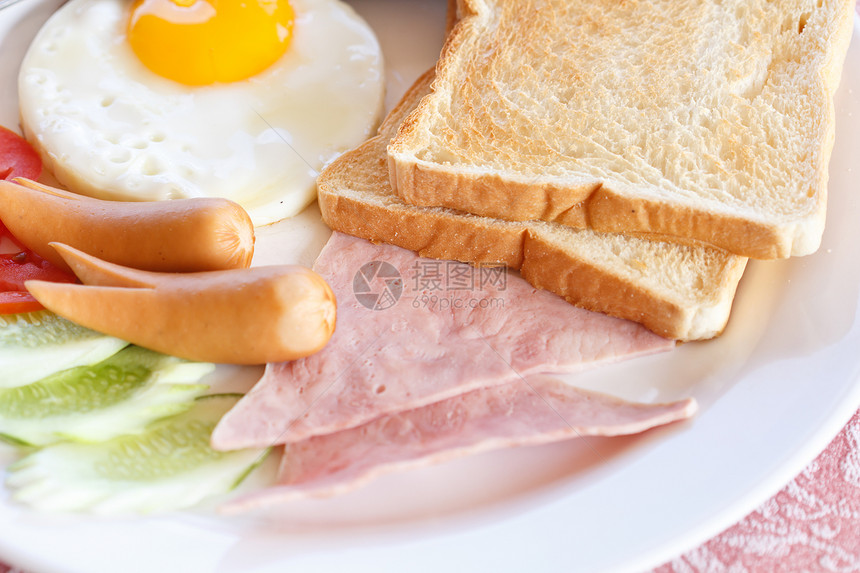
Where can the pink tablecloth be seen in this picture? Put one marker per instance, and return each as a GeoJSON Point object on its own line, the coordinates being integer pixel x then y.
{"type": "Point", "coordinates": [812, 525]}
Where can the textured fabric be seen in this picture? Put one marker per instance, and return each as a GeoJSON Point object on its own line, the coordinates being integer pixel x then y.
{"type": "Point", "coordinates": [812, 525]}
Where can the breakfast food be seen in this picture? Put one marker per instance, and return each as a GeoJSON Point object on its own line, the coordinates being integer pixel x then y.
{"type": "Point", "coordinates": [427, 379]}
{"type": "Point", "coordinates": [165, 467]}
{"type": "Point", "coordinates": [17, 157]}
{"type": "Point", "coordinates": [119, 395]}
{"type": "Point", "coordinates": [36, 344]}
{"type": "Point", "coordinates": [106, 125]}
{"type": "Point", "coordinates": [241, 316]}
{"type": "Point", "coordinates": [688, 120]}
{"type": "Point", "coordinates": [534, 410]}
{"type": "Point", "coordinates": [19, 264]}
{"type": "Point", "coordinates": [218, 42]}
{"type": "Point", "coordinates": [185, 235]}
{"type": "Point", "coordinates": [680, 292]}
{"type": "Point", "coordinates": [384, 359]}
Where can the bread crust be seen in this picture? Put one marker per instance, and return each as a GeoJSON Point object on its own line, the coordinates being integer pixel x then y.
{"type": "Point", "coordinates": [602, 203]}
{"type": "Point", "coordinates": [436, 235]}
{"type": "Point", "coordinates": [355, 197]}
{"type": "Point", "coordinates": [549, 267]}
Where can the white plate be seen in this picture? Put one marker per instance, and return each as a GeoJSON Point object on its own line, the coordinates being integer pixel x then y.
{"type": "Point", "coordinates": [773, 390]}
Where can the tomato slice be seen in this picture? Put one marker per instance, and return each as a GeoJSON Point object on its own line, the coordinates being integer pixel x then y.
{"type": "Point", "coordinates": [19, 267]}
{"type": "Point", "coordinates": [14, 302]}
{"type": "Point", "coordinates": [17, 157]}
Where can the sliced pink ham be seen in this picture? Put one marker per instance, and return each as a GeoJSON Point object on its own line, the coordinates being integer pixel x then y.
{"type": "Point", "coordinates": [536, 410]}
{"type": "Point", "coordinates": [416, 353]}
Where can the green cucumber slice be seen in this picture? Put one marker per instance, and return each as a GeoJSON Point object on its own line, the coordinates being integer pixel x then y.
{"type": "Point", "coordinates": [36, 344]}
{"type": "Point", "coordinates": [117, 396]}
{"type": "Point", "coordinates": [169, 466]}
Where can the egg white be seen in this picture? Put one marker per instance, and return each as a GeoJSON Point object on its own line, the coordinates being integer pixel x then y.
{"type": "Point", "coordinates": [107, 126]}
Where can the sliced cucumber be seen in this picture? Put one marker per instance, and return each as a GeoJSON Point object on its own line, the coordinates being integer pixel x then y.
{"type": "Point", "coordinates": [169, 466]}
{"type": "Point", "coordinates": [36, 344]}
{"type": "Point", "coordinates": [117, 396]}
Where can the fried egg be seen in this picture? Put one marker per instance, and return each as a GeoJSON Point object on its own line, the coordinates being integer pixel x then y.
{"type": "Point", "coordinates": [122, 104]}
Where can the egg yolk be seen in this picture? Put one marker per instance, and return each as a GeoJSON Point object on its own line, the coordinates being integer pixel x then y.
{"type": "Point", "coordinates": [199, 42]}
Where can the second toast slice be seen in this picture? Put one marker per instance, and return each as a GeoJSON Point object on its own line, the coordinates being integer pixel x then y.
{"type": "Point", "coordinates": [680, 292]}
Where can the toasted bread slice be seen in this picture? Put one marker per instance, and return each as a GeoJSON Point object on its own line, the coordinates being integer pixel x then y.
{"type": "Point", "coordinates": [703, 119]}
{"type": "Point", "coordinates": [680, 292]}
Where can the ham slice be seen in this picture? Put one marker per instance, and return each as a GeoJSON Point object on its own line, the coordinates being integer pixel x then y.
{"type": "Point", "coordinates": [439, 340]}
{"type": "Point", "coordinates": [536, 410]}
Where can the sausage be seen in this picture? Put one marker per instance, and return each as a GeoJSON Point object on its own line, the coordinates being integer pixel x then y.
{"type": "Point", "coordinates": [181, 235]}
{"type": "Point", "coordinates": [239, 316]}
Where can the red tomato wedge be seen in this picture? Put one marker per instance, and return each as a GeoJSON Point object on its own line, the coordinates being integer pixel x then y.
{"type": "Point", "coordinates": [19, 266]}
{"type": "Point", "coordinates": [15, 302]}
{"type": "Point", "coordinates": [17, 157]}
